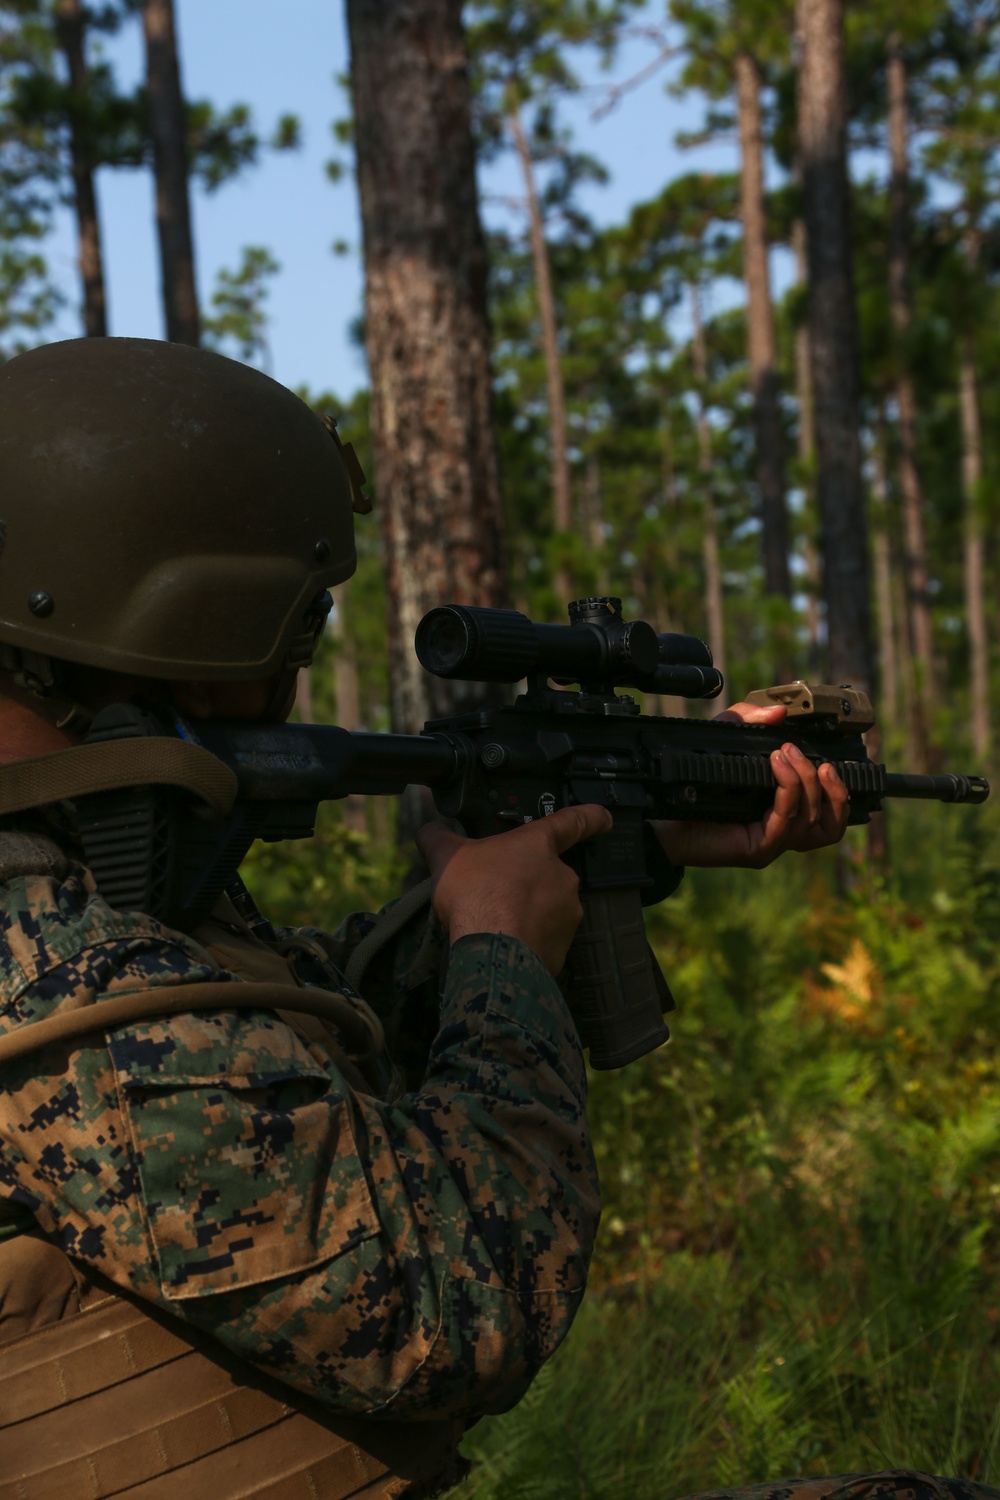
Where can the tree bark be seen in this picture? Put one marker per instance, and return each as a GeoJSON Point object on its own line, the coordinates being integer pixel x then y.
{"type": "Point", "coordinates": [807, 455]}
{"type": "Point", "coordinates": [803, 376]}
{"type": "Point", "coordinates": [918, 611]}
{"type": "Point", "coordinates": [549, 338]}
{"type": "Point", "coordinates": [71, 32]}
{"type": "Point", "coordinates": [768, 431]}
{"type": "Point", "coordinates": [975, 553]}
{"type": "Point", "coordinates": [833, 340]}
{"type": "Point", "coordinates": [347, 699]}
{"type": "Point", "coordinates": [888, 664]}
{"type": "Point", "coordinates": [426, 331]}
{"type": "Point", "coordinates": [170, 166]}
{"type": "Point", "coordinates": [714, 608]}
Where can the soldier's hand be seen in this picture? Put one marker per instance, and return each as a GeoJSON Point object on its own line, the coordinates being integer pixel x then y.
{"type": "Point", "coordinates": [513, 882]}
{"type": "Point", "coordinates": [810, 810]}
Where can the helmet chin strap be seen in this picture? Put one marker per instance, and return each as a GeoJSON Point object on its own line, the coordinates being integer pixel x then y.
{"type": "Point", "coordinates": [39, 675]}
{"type": "Point", "coordinates": [283, 690]}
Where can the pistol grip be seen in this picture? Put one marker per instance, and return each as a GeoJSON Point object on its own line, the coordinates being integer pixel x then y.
{"type": "Point", "coordinates": [616, 990]}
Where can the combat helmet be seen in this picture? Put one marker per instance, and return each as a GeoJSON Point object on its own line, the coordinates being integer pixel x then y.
{"type": "Point", "coordinates": [166, 512]}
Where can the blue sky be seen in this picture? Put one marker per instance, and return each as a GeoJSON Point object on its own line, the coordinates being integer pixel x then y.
{"type": "Point", "coordinates": [284, 55]}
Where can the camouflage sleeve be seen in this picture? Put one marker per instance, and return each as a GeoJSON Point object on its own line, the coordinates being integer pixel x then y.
{"type": "Point", "coordinates": [420, 1259]}
{"type": "Point", "coordinates": [462, 1228]}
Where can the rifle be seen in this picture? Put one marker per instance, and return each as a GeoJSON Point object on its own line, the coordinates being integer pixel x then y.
{"type": "Point", "coordinates": [152, 848]}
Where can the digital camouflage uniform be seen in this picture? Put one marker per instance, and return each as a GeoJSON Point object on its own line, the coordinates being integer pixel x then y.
{"type": "Point", "coordinates": [890, 1484]}
{"type": "Point", "coordinates": [415, 1259]}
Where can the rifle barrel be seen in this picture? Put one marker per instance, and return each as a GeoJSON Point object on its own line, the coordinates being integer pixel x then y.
{"type": "Point", "coordinates": [948, 788]}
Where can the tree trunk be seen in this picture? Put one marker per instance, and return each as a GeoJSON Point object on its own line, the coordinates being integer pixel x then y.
{"type": "Point", "coordinates": [803, 374]}
{"type": "Point", "coordinates": [71, 32]}
{"type": "Point", "coordinates": [549, 336]}
{"type": "Point", "coordinates": [427, 332]}
{"type": "Point", "coordinates": [833, 340]}
{"type": "Point", "coordinates": [918, 612]}
{"type": "Point", "coordinates": [170, 165]}
{"type": "Point", "coordinates": [888, 665]}
{"type": "Point", "coordinates": [714, 608]}
{"type": "Point", "coordinates": [975, 556]}
{"type": "Point", "coordinates": [345, 668]}
{"type": "Point", "coordinates": [768, 431]}
{"type": "Point", "coordinates": [347, 699]}
{"type": "Point", "coordinates": [807, 455]}
{"type": "Point", "coordinates": [662, 568]}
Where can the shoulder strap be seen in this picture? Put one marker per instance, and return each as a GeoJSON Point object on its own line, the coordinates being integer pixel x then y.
{"type": "Point", "coordinates": [358, 1022]}
{"type": "Point", "coordinates": [110, 764]}
{"type": "Point", "coordinates": [385, 929]}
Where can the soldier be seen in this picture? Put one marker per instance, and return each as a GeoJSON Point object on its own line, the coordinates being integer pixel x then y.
{"type": "Point", "coordinates": [226, 1263]}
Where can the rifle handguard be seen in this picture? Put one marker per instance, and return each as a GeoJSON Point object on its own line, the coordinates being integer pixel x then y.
{"type": "Point", "coordinates": [616, 991]}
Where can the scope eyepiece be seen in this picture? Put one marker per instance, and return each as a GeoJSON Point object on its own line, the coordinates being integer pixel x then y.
{"type": "Point", "coordinates": [683, 650]}
{"type": "Point", "coordinates": [686, 681]}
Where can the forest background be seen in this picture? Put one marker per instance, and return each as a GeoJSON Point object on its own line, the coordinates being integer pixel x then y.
{"type": "Point", "coordinates": [760, 405]}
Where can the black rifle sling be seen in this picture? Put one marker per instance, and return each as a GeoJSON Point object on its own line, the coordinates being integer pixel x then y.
{"type": "Point", "coordinates": [385, 929]}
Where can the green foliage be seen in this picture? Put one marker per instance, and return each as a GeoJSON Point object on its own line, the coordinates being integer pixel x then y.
{"type": "Point", "coordinates": [240, 303]}
{"type": "Point", "coordinates": [28, 167]}
{"type": "Point", "coordinates": [28, 302]}
{"type": "Point", "coordinates": [521, 53]}
{"type": "Point", "coordinates": [797, 1265]}
{"type": "Point", "coordinates": [38, 110]}
{"type": "Point", "coordinates": [325, 878]}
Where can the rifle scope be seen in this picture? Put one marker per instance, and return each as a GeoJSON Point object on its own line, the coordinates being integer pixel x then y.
{"type": "Point", "coordinates": [598, 649]}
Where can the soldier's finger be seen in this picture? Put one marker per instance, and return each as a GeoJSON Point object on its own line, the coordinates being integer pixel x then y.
{"type": "Point", "coordinates": [779, 822]}
{"type": "Point", "coordinates": [752, 713]}
{"type": "Point", "coordinates": [836, 806]}
{"type": "Point", "coordinates": [437, 844]}
{"type": "Point", "coordinates": [812, 790]}
{"type": "Point", "coordinates": [570, 825]}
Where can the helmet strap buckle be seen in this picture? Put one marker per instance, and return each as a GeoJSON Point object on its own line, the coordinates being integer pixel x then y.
{"type": "Point", "coordinates": [38, 674]}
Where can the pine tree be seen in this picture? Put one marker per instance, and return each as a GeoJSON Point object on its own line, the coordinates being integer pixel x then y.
{"type": "Point", "coordinates": [833, 339]}
{"type": "Point", "coordinates": [168, 129]}
{"type": "Point", "coordinates": [959, 92]}
{"type": "Point", "coordinates": [426, 329]}
{"type": "Point", "coordinates": [732, 45]}
{"type": "Point", "coordinates": [520, 51]}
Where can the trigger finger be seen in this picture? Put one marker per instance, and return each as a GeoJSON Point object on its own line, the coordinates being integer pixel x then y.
{"type": "Point", "coordinates": [570, 825]}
